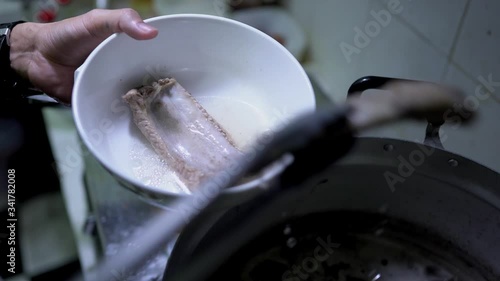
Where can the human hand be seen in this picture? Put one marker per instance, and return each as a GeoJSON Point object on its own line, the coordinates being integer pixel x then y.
{"type": "Point", "coordinates": [48, 54]}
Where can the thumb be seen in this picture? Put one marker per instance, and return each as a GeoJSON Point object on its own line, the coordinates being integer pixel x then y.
{"type": "Point", "coordinates": [103, 23]}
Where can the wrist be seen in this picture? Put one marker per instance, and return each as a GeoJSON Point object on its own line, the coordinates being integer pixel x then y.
{"type": "Point", "coordinates": [22, 48]}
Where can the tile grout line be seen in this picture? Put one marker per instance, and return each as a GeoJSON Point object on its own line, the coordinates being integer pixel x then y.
{"type": "Point", "coordinates": [449, 57]}
{"type": "Point", "coordinates": [454, 43]}
{"type": "Point", "coordinates": [415, 31]}
{"type": "Point", "coordinates": [450, 60]}
{"type": "Point", "coordinates": [474, 79]}
{"type": "Point", "coordinates": [421, 35]}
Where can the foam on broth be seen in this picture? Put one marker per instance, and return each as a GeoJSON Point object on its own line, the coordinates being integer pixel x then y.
{"type": "Point", "coordinates": [244, 116]}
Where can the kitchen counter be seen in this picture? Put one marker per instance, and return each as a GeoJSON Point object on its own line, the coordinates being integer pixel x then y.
{"type": "Point", "coordinates": [102, 213]}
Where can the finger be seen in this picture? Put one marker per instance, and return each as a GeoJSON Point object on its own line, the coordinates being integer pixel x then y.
{"type": "Point", "coordinates": [103, 23]}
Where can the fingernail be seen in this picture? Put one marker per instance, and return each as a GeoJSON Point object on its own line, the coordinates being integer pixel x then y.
{"type": "Point", "coordinates": [145, 27]}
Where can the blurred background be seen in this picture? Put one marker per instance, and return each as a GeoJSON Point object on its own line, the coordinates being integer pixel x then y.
{"type": "Point", "coordinates": [451, 41]}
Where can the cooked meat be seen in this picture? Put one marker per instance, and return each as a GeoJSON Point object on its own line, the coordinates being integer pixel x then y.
{"type": "Point", "coordinates": [181, 131]}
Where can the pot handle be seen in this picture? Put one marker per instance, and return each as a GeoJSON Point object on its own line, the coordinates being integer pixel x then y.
{"type": "Point", "coordinates": [378, 82]}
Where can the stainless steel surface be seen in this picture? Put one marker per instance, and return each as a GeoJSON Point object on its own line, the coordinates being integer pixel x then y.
{"type": "Point", "coordinates": [119, 214]}
{"type": "Point", "coordinates": [444, 194]}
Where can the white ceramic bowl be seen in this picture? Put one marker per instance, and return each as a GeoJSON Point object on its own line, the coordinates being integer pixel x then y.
{"type": "Point", "coordinates": [244, 78]}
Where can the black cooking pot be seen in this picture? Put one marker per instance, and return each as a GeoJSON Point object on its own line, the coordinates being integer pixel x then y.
{"type": "Point", "coordinates": [390, 210]}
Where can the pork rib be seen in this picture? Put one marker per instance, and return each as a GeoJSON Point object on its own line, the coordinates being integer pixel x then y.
{"type": "Point", "coordinates": [180, 130]}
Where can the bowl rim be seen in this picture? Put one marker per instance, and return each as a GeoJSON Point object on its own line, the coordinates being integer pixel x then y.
{"type": "Point", "coordinates": [84, 136]}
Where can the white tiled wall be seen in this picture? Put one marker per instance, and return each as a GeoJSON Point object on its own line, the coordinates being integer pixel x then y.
{"type": "Point", "coordinates": [454, 41]}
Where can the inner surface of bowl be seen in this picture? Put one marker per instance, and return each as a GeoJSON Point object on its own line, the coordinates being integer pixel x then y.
{"type": "Point", "coordinates": [247, 81]}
